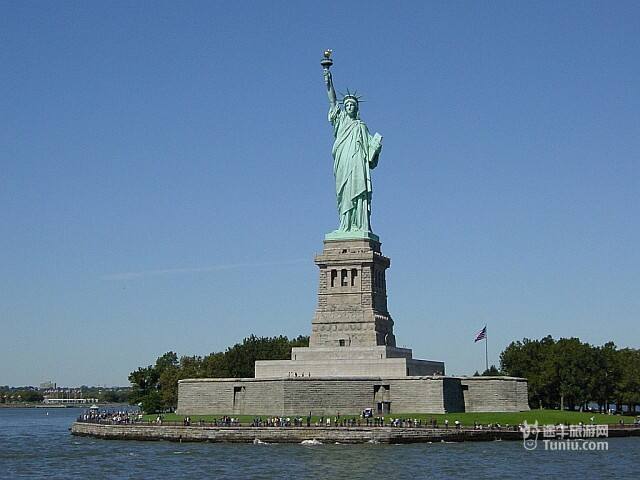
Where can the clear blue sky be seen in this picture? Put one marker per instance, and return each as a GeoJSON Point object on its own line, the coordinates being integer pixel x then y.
{"type": "Point", "coordinates": [166, 174]}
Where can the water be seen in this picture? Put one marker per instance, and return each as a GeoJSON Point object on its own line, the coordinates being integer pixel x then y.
{"type": "Point", "coordinates": [36, 445]}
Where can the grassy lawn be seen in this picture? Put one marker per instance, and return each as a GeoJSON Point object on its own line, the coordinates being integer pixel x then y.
{"type": "Point", "coordinates": [543, 417]}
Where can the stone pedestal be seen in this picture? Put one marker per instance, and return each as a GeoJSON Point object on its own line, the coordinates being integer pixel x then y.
{"type": "Point", "coordinates": [352, 361]}
{"type": "Point", "coordinates": [352, 330]}
{"type": "Point", "coordinates": [352, 296]}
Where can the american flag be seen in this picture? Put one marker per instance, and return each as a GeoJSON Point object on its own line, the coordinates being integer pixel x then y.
{"type": "Point", "coordinates": [482, 334]}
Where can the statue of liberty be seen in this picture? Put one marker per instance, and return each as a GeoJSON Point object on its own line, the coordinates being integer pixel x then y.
{"type": "Point", "coordinates": [355, 153]}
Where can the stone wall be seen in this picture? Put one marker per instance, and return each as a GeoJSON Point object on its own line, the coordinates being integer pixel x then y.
{"type": "Point", "coordinates": [374, 361]}
{"type": "Point", "coordinates": [331, 367]}
{"type": "Point", "coordinates": [330, 435]}
{"type": "Point", "coordinates": [417, 395]}
{"type": "Point", "coordinates": [327, 397]}
{"type": "Point", "coordinates": [494, 394]}
{"type": "Point", "coordinates": [349, 396]}
{"type": "Point", "coordinates": [418, 368]}
{"type": "Point", "coordinates": [297, 396]}
{"type": "Point", "coordinates": [229, 396]}
{"type": "Point", "coordinates": [348, 353]}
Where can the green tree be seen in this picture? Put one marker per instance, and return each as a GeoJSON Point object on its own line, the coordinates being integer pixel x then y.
{"type": "Point", "coordinates": [240, 358]}
{"type": "Point", "coordinates": [156, 386]}
{"type": "Point", "coordinates": [570, 373]}
{"type": "Point", "coordinates": [120, 395]}
{"type": "Point", "coordinates": [492, 371]}
{"type": "Point", "coordinates": [215, 365]}
{"type": "Point", "coordinates": [152, 402]}
{"type": "Point", "coordinates": [168, 387]}
{"type": "Point", "coordinates": [168, 360]}
{"type": "Point", "coordinates": [30, 396]}
{"type": "Point", "coordinates": [144, 385]}
{"type": "Point", "coordinates": [574, 369]}
{"type": "Point", "coordinates": [606, 374]}
{"type": "Point", "coordinates": [534, 360]}
{"type": "Point", "coordinates": [628, 385]}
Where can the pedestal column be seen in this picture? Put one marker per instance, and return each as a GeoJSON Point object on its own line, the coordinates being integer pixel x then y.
{"type": "Point", "coordinates": [352, 296]}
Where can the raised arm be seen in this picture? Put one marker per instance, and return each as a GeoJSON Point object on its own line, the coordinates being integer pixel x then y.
{"type": "Point", "coordinates": [331, 92]}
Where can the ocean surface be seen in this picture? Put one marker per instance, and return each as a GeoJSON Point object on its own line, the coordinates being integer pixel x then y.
{"type": "Point", "coordinates": [36, 443]}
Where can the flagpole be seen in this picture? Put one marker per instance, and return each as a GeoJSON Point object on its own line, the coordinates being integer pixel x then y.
{"type": "Point", "coordinates": [486, 350]}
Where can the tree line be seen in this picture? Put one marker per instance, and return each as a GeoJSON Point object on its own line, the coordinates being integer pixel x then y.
{"type": "Point", "coordinates": [20, 394]}
{"type": "Point", "coordinates": [156, 386]}
{"type": "Point", "coordinates": [568, 373]}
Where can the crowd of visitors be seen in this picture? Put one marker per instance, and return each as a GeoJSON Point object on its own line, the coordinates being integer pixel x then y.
{"type": "Point", "coordinates": [119, 417]}
{"type": "Point", "coordinates": [124, 417]}
{"type": "Point", "coordinates": [277, 422]}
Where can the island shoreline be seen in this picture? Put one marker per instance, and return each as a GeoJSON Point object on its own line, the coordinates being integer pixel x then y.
{"type": "Point", "coordinates": [347, 435]}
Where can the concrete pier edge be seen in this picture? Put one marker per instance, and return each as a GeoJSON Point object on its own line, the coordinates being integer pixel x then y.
{"type": "Point", "coordinates": [328, 435]}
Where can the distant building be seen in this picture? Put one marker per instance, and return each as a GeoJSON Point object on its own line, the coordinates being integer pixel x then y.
{"type": "Point", "coordinates": [68, 401]}
{"type": "Point", "coordinates": [65, 396]}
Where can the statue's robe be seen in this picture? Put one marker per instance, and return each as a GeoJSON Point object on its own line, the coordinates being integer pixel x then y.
{"type": "Point", "coordinates": [355, 153]}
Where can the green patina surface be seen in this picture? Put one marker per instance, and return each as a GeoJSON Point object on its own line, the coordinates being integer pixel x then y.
{"type": "Point", "coordinates": [355, 153]}
{"type": "Point", "coordinates": [339, 235]}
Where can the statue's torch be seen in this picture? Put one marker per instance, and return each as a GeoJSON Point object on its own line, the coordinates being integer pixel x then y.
{"type": "Point", "coordinates": [326, 62]}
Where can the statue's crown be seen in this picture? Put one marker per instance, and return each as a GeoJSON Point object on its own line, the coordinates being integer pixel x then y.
{"type": "Point", "coordinates": [351, 96]}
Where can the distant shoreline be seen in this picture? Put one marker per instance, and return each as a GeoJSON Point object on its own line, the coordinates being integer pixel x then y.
{"type": "Point", "coordinates": [17, 405]}
{"type": "Point", "coordinates": [385, 435]}
{"type": "Point", "coordinates": [44, 405]}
